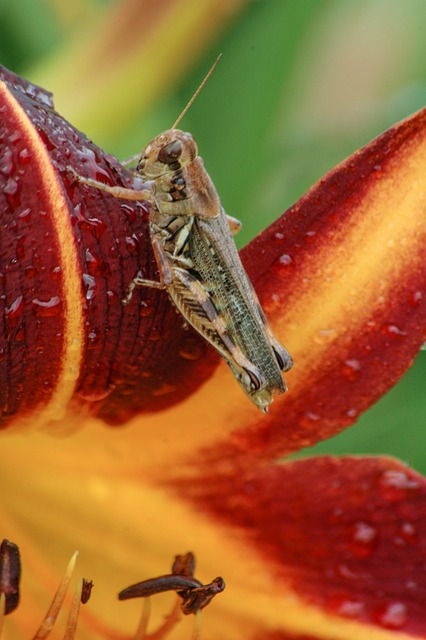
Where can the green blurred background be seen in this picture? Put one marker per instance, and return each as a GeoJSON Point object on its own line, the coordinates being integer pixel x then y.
{"type": "Point", "coordinates": [301, 85]}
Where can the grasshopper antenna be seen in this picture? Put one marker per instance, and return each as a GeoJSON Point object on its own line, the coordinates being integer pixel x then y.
{"type": "Point", "coordinates": [195, 96]}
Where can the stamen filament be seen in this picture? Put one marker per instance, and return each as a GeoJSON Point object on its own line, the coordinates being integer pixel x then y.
{"type": "Point", "coordinates": [57, 602]}
{"type": "Point", "coordinates": [73, 614]}
{"type": "Point", "coordinates": [141, 632]}
{"type": "Point", "coordinates": [2, 610]}
{"type": "Point", "coordinates": [169, 623]}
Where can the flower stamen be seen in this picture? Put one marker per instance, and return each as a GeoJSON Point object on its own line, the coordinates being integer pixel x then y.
{"type": "Point", "coordinates": [72, 621]}
{"type": "Point", "coordinates": [57, 602]}
{"type": "Point", "coordinates": [10, 575]}
{"type": "Point", "coordinates": [194, 596]}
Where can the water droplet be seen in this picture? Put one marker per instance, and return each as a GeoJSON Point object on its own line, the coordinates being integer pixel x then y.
{"type": "Point", "coordinates": [47, 308]}
{"type": "Point", "coordinates": [11, 187]}
{"type": "Point", "coordinates": [362, 539]}
{"type": "Point", "coordinates": [407, 533]}
{"type": "Point", "coordinates": [30, 271]}
{"type": "Point", "coordinates": [55, 272]}
{"type": "Point", "coordinates": [93, 338]}
{"type": "Point", "coordinates": [392, 331]}
{"type": "Point", "coordinates": [310, 236]}
{"type": "Point", "coordinates": [89, 284]}
{"type": "Point", "coordinates": [95, 265]}
{"type": "Point", "coordinates": [91, 167]}
{"type": "Point", "coordinates": [95, 395]}
{"type": "Point", "coordinates": [14, 310]}
{"type": "Point", "coordinates": [308, 420]}
{"type": "Point", "coordinates": [112, 297]}
{"type": "Point", "coordinates": [394, 485]}
{"type": "Point", "coordinates": [352, 413]}
{"type": "Point", "coordinates": [154, 334]}
{"type": "Point", "coordinates": [6, 163]}
{"type": "Point", "coordinates": [145, 309]}
{"type": "Point", "coordinates": [25, 214]}
{"type": "Point", "coordinates": [131, 245]}
{"type": "Point", "coordinates": [415, 298]}
{"type": "Point", "coordinates": [164, 389]}
{"type": "Point", "coordinates": [346, 606]}
{"type": "Point", "coordinates": [129, 211]}
{"type": "Point", "coordinates": [392, 615]}
{"type": "Point", "coordinates": [191, 349]}
{"type": "Point", "coordinates": [15, 136]}
{"type": "Point", "coordinates": [24, 156]}
{"type": "Point", "coordinates": [283, 263]}
{"type": "Point", "coordinates": [351, 370]}
{"type": "Point", "coordinates": [95, 226]}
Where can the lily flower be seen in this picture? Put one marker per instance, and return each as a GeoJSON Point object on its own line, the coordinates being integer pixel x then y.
{"type": "Point", "coordinates": [126, 438]}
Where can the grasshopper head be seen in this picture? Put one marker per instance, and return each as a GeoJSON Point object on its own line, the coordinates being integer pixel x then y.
{"type": "Point", "coordinates": [167, 152]}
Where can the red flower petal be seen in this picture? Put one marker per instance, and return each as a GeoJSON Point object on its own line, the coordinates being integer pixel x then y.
{"type": "Point", "coordinates": [67, 258]}
{"type": "Point", "coordinates": [346, 535]}
{"type": "Point", "coordinates": [341, 276]}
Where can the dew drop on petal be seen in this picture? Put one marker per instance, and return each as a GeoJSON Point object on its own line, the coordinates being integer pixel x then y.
{"type": "Point", "coordinates": [11, 187]}
{"type": "Point", "coordinates": [415, 298]}
{"type": "Point", "coordinates": [351, 370]}
{"type": "Point", "coordinates": [154, 335]}
{"type": "Point", "coordinates": [346, 606]}
{"type": "Point", "coordinates": [191, 350]}
{"type": "Point", "coordinates": [392, 615]}
{"type": "Point", "coordinates": [129, 211]}
{"type": "Point", "coordinates": [131, 245]}
{"type": "Point", "coordinates": [30, 271]}
{"type": "Point", "coordinates": [25, 215]}
{"type": "Point", "coordinates": [394, 485]}
{"type": "Point", "coordinates": [112, 297]}
{"type": "Point", "coordinates": [95, 265]}
{"type": "Point", "coordinates": [407, 533]}
{"type": "Point", "coordinates": [310, 236]}
{"type": "Point", "coordinates": [308, 420]}
{"type": "Point", "coordinates": [393, 331]}
{"type": "Point", "coordinates": [278, 237]}
{"type": "Point", "coordinates": [55, 272]}
{"type": "Point", "coordinates": [47, 308]}
{"type": "Point", "coordinates": [146, 309]}
{"type": "Point", "coordinates": [95, 395]}
{"type": "Point", "coordinates": [89, 285]}
{"type": "Point", "coordinates": [6, 162]}
{"type": "Point", "coordinates": [24, 156]}
{"type": "Point", "coordinates": [14, 310]}
{"type": "Point", "coordinates": [283, 263]}
{"type": "Point", "coordinates": [362, 539]}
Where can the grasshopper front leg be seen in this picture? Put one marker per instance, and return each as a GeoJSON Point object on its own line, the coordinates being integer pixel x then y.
{"type": "Point", "coordinates": [116, 192]}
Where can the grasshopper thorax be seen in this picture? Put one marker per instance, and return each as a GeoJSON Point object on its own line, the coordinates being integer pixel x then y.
{"type": "Point", "coordinates": [169, 151]}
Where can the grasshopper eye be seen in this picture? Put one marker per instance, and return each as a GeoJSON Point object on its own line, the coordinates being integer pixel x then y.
{"type": "Point", "coordinates": [171, 152]}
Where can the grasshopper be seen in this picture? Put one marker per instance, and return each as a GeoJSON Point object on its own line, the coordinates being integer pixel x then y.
{"type": "Point", "coordinates": [198, 262]}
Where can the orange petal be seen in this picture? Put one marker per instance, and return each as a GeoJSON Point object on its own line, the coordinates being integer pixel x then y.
{"type": "Point", "coordinates": [346, 535]}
